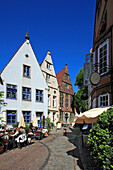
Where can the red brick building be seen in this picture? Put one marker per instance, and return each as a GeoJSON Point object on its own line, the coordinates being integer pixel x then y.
{"type": "Point", "coordinates": [66, 96]}
{"type": "Point", "coordinates": [101, 95]}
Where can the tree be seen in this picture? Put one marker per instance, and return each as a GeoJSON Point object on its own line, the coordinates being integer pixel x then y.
{"type": "Point", "coordinates": [2, 103]}
{"type": "Point", "coordinates": [100, 140]}
{"type": "Point", "coordinates": [80, 103]}
{"type": "Point", "coordinates": [79, 78]}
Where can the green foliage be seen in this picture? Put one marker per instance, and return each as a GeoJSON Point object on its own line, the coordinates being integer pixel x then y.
{"type": "Point", "coordinates": [1, 99]}
{"type": "Point", "coordinates": [48, 123]}
{"type": "Point", "coordinates": [79, 78]}
{"type": "Point", "coordinates": [26, 127]}
{"type": "Point", "coordinates": [2, 143]}
{"type": "Point", "coordinates": [81, 105]}
{"type": "Point", "coordinates": [2, 103]}
{"type": "Point", "coordinates": [15, 125]}
{"type": "Point", "coordinates": [100, 140]}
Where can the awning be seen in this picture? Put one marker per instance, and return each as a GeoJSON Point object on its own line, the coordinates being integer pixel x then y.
{"type": "Point", "coordinates": [90, 116]}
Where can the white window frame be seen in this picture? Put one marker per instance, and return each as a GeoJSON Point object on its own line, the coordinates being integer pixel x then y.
{"type": "Point", "coordinates": [103, 95]}
{"type": "Point", "coordinates": [48, 78]}
{"type": "Point", "coordinates": [48, 65]}
{"type": "Point", "coordinates": [103, 44]}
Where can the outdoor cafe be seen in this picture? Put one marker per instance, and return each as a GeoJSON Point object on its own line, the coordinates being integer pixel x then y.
{"type": "Point", "coordinates": [18, 137]}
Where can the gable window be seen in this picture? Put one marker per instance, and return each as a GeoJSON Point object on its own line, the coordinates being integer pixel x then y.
{"type": "Point", "coordinates": [27, 116]}
{"type": "Point", "coordinates": [67, 76]}
{"type": "Point", "coordinates": [48, 65]}
{"type": "Point", "coordinates": [67, 85]}
{"type": "Point", "coordinates": [103, 100]}
{"type": "Point", "coordinates": [54, 101]}
{"type": "Point", "coordinates": [61, 99]}
{"type": "Point", "coordinates": [39, 95]}
{"type": "Point", "coordinates": [26, 93]}
{"type": "Point", "coordinates": [47, 77]}
{"type": "Point", "coordinates": [103, 57]}
{"type": "Point", "coordinates": [26, 71]}
{"type": "Point", "coordinates": [11, 117]}
{"type": "Point", "coordinates": [11, 91]}
{"type": "Point", "coordinates": [66, 101]}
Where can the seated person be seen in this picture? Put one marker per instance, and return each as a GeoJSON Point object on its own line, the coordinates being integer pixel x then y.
{"type": "Point", "coordinates": [22, 135]}
{"type": "Point", "coordinates": [16, 133]}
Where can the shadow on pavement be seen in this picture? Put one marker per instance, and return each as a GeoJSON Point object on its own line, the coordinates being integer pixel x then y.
{"type": "Point", "coordinates": [74, 152]}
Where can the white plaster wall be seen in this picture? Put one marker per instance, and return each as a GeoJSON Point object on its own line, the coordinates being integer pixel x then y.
{"type": "Point", "coordinates": [13, 74]}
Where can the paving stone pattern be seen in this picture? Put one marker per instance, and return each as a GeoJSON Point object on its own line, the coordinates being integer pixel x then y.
{"type": "Point", "coordinates": [59, 149]}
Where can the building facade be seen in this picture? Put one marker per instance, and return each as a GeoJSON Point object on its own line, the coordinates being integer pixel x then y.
{"type": "Point", "coordinates": [53, 91]}
{"type": "Point", "coordinates": [66, 96]}
{"type": "Point", "coordinates": [24, 86]}
{"type": "Point", "coordinates": [101, 94]}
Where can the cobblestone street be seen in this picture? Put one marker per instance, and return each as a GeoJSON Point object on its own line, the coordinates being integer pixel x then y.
{"type": "Point", "coordinates": [60, 153]}
{"type": "Point", "coordinates": [52, 153]}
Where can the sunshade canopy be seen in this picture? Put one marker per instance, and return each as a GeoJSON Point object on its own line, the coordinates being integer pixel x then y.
{"type": "Point", "coordinates": [21, 123]}
{"type": "Point", "coordinates": [35, 121]}
{"type": "Point", "coordinates": [90, 116]}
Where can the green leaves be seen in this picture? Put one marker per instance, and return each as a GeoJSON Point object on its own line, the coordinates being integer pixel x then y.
{"type": "Point", "coordinates": [100, 140]}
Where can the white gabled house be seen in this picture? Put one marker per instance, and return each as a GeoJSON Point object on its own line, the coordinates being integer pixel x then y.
{"type": "Point", "coordinates": [24, 86]}
{"type": "Point", "coordinates": [47, 68]}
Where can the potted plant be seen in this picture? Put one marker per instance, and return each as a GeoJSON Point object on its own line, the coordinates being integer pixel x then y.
{"type": "Point", "coordinates": [2, 144]}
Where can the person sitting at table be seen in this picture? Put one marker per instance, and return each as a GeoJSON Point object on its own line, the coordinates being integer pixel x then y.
{"type": "Point", "coordinates": [22, 137]}
{"type": "Point", "coordinates": [16, 133]}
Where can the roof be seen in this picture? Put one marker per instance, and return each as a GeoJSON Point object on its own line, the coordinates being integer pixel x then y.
{"type": "Point", "coordinates": [60, 75]}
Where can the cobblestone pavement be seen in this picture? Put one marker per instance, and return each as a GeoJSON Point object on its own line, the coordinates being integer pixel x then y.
{"type": "Point", "coordinates": [61, 157]}
{"type": "Point", "coordinates": [28, 158]}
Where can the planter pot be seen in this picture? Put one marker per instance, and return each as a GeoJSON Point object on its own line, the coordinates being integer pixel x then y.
{"type": "Point", "coordinates": [1, 149]}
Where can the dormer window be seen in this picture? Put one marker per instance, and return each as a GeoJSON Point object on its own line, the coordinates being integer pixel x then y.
{"type": "Point", "coordinates": [48, 65]}
{"type": "Point", "coordinates": [26, 71]}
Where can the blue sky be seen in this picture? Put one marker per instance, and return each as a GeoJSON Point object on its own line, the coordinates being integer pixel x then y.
{"type": "Point", "coordinates": [65, 27]}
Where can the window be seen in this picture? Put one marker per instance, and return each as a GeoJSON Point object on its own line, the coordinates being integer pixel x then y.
{"type": "Point", "coordinates": [71, 101]}
{"type": "Point", "coordinates": [67, 76]}
{"type": "Point", "coordinates": [39, 118]}
{"type": "Point", "coordinates": [67, 85]}
{"type": "Point", "coordinates": [26, 93]}
{"type": "Point", "coordinates": [103, 100]}
{"type": "Point", "coordinates": [54, 101]}
{"type": "Point", "coordinates": [47, 77]}
{"type": "Point", "coordinates": [66, 101]}
{"type": "Point", "coordinates": [48, 99]}
{"type": "Point", "coordinates": [71, 117]}
{"type": "Point", "coordinates": [48, 65]}
{"type": "Point", "coordinates": [39, 95]}
{"type": "Point", "coordinates": [61, 116]}
{"type": "Point", "coordinates": [27, 116]}
{"type": "Point", "coordinates": [103, 57]}
{"type": "Point", "coordinates": [61, 99]}
{"type": "Point", "coordinates": [26, 71]}
{"type": "Point", "coordinates": [11, 91]}
{"type": "Point", "coordinates": [99, 7]}
{"type": "Point", "coordinates": [11, 117]}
